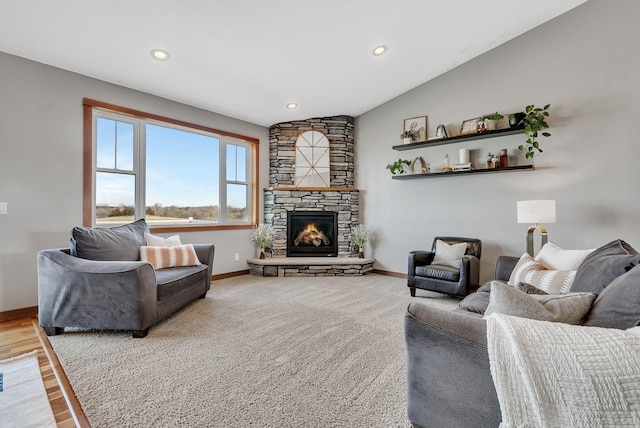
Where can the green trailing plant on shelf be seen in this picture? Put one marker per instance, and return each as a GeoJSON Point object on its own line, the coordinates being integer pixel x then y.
{"type": "Point", "coordinates": [263, 236]}
{"type": "Point", "coordinates": [534, 121]}
{"type": "Point", "coordinates": [397, 166]}
{"type": "Point", "coordinates": [492, 116]}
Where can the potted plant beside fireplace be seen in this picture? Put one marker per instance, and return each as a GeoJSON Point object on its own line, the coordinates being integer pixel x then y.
{"type": "Point", "coordinates": [263, 236]}
{"type": "Point", "coordinates": [360, 236]}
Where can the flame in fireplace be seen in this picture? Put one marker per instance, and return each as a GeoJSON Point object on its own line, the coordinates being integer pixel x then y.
{"type": "Point", "coordinates": [311, 235]}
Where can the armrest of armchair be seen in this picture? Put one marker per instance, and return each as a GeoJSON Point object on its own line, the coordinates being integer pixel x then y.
{"type": "Point", "coordinates": [78, 292]}
{"type": "Point", "coordinates": [470, 271]}
{"type": "Point", "coordinates": [448, 377]}
{"type": "Point", "coordinates": [417, 258]}
{"type": "Point", "coordinates": [504, 266]}
{"type": "Point", "coordinates": [205, 253]}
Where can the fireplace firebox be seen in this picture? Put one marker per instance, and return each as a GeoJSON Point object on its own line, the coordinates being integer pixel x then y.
{"type": "Point", "coordinates": [312, 234]}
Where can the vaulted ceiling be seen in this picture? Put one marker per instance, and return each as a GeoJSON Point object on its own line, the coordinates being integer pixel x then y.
{"type": "Point", "coordinates": [250, 58]}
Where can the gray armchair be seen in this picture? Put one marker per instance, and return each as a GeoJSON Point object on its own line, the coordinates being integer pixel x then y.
{"type": "Point", "coordinates": [114, 294]}
{"type": "Point", "coordinates": [445, 279]}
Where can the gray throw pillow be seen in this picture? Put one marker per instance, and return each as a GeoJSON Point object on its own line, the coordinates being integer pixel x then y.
{"type": "Point", "coordinates": [568, 308]}
{"type": "Point", "coordinates": [604, 265]}
{"type": "Point", "coordinates": [105, 244]}
{"type": "Point", "coordinates": [618, 306]}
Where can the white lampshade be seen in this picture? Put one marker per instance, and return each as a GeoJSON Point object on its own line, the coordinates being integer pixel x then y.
{"type": "Point", "coordinates": [543, 211]}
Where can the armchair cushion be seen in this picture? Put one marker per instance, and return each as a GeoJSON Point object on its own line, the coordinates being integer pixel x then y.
{"type": "Point", "coordinates": [449, 255]}
{"type": "Point", "coordinates": [440, 272]}
{"type": "Point", "coordinates": [120, 243]}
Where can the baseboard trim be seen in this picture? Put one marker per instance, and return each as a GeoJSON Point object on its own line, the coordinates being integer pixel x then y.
{"type": "Point", "coordinates": [229, 274]}
{"type": "Point", "coordinates": [389, 273]}
{"type": "Point", "coordinates": [31, 311]}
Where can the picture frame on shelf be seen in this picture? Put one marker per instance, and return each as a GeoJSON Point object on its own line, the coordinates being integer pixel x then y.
{"type": "Point", "coordinates": [470, 126]}
{"type": "Point", "coordinates": [441, 132]}
{"type": "Point", "coordinates": [418, 126]}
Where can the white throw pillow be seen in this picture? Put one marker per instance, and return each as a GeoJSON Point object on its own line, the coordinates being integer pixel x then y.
{"type": "Point", "coordinates": [159, 241]}
{"type": "Point", "coordinates": [449, 255]}
{"type": "Point", "coordinates": [531, 271]}
{"type": "Point", "coordinates": [555, 258]}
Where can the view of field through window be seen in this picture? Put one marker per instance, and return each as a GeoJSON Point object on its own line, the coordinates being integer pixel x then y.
{"type": "Point", "coordinates": [176, 178]}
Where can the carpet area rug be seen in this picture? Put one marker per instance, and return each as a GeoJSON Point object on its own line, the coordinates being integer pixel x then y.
{"type": "Point", "coordinates": [23, 398]}
{"type": "Point", "coordinates": [259, 352]}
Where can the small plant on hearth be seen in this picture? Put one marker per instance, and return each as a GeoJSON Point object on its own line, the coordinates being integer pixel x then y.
{"type": "Point", "coordinates": [263, 236]}
{"type": "Point", "coordinates": [360, 236]}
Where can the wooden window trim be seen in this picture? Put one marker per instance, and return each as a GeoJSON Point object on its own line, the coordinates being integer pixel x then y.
{"type": "Point", "coordinates": [88, 106]}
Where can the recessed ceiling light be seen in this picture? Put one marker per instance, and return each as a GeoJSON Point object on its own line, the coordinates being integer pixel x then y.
{"type": "Point", "coordinates": [292, 106]}
{"type": "Point", "coordinates": [160, 54]}
{"type": "Point", "coordinates": [379, 50]}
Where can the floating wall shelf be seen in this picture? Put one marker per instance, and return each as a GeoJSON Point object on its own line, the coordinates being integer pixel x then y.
{"type": "Point", "coordinates": [459, 139]}
{"type": "Point", "coordinates": [472, 171]}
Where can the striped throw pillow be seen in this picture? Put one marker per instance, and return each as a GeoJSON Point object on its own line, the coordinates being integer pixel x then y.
{"type": "Point", "coordinates": [533, 272]}
{"type": "Point", "coordinates": [166, 257]}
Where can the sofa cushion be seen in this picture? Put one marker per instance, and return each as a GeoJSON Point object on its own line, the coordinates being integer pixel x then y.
{"type": "Point", "coordinates": [174, 280]}
{"type": "Point", "coordinates": [555, 258]}
{"type": "Point", "coordinates": [449, 255]}
{"type": "Point", "coordinates": [531, 271]}
{"type": "Point", "coordinates": [120, 243]}
{"type": "Point", "coordinates": [568, 308]}
{"type": "Point", "coordinates": [604, 265]}
{"type": "Point", "coordinates": [475, 302]}
{"type": "Point", "coordinates": [159, 241]}
{"type": "Point", "coordinates": [618, 306]}
{"type": "Point", "coordinates": [167, 257]}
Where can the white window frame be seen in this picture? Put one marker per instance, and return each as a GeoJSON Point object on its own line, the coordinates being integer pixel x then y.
{"type": "Point", "coordinates": [96, 109]}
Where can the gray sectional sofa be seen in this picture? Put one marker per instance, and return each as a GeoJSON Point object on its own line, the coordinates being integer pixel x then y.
{"type": "Point", "coordinates": [449, 382]}
{"type": "Point", "coordinates": [101, 283]}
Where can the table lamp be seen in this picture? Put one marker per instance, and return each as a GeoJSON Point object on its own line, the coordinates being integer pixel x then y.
{"type": "Point", "coordinates": [542, 211]}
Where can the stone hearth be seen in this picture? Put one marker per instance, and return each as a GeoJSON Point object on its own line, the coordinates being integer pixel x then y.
{"type": "Point", "coordinates": [310, 266]}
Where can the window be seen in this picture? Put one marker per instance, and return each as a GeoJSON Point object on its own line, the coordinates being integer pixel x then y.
{"type": "Point", "coordinates": [171, 173]}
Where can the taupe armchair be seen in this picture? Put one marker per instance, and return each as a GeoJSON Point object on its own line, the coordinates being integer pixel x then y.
{"type": "Point", "coordinates": [441, 278]}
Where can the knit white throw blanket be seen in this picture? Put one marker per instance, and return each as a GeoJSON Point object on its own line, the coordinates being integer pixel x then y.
{"type": "Point", "coordinates": [558, 375]}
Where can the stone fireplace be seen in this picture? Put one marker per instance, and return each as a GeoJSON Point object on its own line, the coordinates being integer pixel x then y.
{"type": "Point", "coordinates": [282, 197]}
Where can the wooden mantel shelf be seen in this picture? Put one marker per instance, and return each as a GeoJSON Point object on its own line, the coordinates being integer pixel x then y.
{"type": "Point", "coordinates": [321, 189]}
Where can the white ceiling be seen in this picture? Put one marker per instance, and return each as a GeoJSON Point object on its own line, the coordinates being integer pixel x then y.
{"type": "Point", "coordinates": [249, 58]}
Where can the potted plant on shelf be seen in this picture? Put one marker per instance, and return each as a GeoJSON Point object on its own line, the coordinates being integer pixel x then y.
{"type": "Point", "coordinates": [263, 236]}
{"type": "Point", "coordinates": [398, 166]}
{"type": "Point", "coordinates": [360, 236]}
{"type": "Point", "coordinates": [490, 120]}
{"type": "Point", "coordinates": [408, 136]}
{"type": "Point", "coordinates": [534, 121]}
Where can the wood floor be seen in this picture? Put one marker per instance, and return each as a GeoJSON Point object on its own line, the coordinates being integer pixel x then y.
{"type": "Point", "coordinates": [23, 335]}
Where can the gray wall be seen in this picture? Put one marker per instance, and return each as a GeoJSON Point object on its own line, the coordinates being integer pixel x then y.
{"type": "Point", "coordinates": [586, 64]}
{"type": "Point", "coordinates": [41, 167]}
